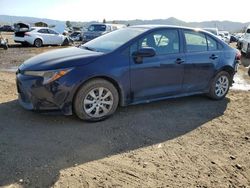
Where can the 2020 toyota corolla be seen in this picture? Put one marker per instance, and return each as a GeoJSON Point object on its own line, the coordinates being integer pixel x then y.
{"type": "Point", "coordinates": [129, 66]}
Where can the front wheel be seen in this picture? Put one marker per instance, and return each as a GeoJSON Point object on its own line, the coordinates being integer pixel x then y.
{"type": "Point", "coordinates": [96, 100]}
{"type": "Point", "coordinates": [219, 86]}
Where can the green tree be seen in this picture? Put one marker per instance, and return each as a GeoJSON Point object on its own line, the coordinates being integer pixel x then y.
{"type": "Point", "coordinates": [104, 20]}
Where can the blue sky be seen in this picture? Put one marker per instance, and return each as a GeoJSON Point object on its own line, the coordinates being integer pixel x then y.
{"type": "Point", "coordinates": [88, 10]}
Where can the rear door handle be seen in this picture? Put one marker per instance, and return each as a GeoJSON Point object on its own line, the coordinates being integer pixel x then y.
{"type": "Point", "coordinates": [213, 57]}
{"type": "Point", "coordinates": [179, 61]}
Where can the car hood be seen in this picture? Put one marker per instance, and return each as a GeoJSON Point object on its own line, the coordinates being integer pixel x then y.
{"type": "Point", "coordinates": [61, 58]}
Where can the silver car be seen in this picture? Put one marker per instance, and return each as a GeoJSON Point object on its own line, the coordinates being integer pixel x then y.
{"type": "Point", "coordinates": [39, 36]}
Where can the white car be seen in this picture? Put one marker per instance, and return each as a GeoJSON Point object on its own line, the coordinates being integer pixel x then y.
{"type": "Point", "coordinates": [246, 43]}
{"type": "Point", "coordinates": [39, 36]}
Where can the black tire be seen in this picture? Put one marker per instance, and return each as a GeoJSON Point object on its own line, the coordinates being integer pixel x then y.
{"type": "Point", "coordinates": [38, 43]}
{"type": "Point", "coordinates": [213, 89]}
{"type": "Point", "coordinates": [249, 71]}
{"type": "Point", "coordinates": [65, 42]}
{"type": "Point", "coordinates": [5, 47]}
{"type": "Point", "coordinates": [84, 92]}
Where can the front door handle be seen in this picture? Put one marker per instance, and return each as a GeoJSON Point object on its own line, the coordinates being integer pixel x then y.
{"type": "Point", "coordinates": [213, 57]}
{"type": "Point", "coordinates": [179, 61]}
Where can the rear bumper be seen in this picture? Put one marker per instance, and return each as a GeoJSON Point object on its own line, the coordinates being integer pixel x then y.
{"type": "Point", "coordinates": [19, 39]}
{"type": "Point", "coordinates": [24, 39]}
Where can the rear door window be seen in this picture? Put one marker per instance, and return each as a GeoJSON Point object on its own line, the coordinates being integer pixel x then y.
{"type": "Point", "coordinates": [212, 44]}
{"type": "Point", "coordinates": [195, 41]}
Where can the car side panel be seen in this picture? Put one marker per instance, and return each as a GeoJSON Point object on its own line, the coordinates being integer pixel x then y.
{"type": "Point", "coordinates": [198, 70]}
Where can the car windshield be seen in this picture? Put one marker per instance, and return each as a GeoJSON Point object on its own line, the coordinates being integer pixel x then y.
{"type": "Point", "coordinates": [97, 27]}
{"type": "Point", "coordinates": [113, 40]}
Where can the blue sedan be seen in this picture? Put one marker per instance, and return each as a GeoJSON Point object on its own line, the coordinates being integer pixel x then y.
{"type": "Point", "coordinates": [129, 66]}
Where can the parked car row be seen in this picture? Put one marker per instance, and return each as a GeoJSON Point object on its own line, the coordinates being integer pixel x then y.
{"type": "Point", "coordinates": [6, 28]}
{"type": "Point", "coordinates": [39, 36]}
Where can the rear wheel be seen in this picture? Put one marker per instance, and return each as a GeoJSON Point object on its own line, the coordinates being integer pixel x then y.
{"type": "Point", "coordinates": [219, 86]}
{"type": "Point", "coordinates": [96, 100]}
{"type": "Point", "coordinates": [38, 43]}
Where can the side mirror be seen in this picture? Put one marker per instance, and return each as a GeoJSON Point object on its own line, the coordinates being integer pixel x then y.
{"type": "Point", "coordinates": [143, 52]}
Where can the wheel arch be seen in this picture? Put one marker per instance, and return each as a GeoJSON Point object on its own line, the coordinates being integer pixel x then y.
{"type": "Point", "coordinates": [38, 38]}
{"type": "Point", "coordinates": [109, 79]}
{"type": "Point", "coordinates": [230, 70]}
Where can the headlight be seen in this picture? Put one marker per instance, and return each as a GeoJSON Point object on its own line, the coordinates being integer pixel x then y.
{"type": "Point", "coordinates": [48, 76]}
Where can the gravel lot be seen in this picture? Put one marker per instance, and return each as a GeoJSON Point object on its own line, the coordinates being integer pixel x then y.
{"type": "Point", "coordinates": [186, 142]}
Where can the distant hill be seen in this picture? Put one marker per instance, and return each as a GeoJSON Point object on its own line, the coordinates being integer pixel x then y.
{"type": "Point", "coordinates": [14, 19]}
{"type": "Point", "coordinates": [222, 25]}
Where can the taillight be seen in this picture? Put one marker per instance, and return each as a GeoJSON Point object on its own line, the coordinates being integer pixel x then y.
{"type": "Point", "coordinates": [27, 34]}
{"type": "Point", "coordinates": [238, 55]}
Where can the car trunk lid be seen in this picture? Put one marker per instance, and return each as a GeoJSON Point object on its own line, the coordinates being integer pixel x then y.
{"type": "Point", "coordinates": [20, 29]}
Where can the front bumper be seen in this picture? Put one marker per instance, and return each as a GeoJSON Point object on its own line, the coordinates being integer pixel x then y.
{"type": "Point", "coordinates": [33, 95]}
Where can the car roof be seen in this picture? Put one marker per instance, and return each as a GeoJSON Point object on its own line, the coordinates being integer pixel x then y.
{"type": "Point", "coordinates": [157, 26]}
{"type": "Point", "coordinates": [168, 26]}
{"type": "Point", "coordinates": [41, 28]}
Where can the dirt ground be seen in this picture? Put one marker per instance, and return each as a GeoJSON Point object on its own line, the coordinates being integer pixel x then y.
{"type": "Point", "coordinates": [185, 142]}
